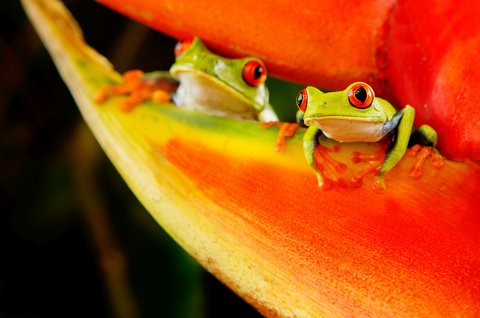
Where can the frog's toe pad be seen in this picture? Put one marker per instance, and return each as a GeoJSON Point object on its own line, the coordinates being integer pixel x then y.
{"type": "Point", "coordinates": [378, 185]}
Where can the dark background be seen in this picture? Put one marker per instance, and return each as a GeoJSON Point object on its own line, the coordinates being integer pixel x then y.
{"type": "Point", "coordinates": [74, 241]}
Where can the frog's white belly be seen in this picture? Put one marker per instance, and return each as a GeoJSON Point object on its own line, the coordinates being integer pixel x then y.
{"type": "Point", "coordinates": [348, 130]}
{"type": "Point", "coordinates": [200, 92]}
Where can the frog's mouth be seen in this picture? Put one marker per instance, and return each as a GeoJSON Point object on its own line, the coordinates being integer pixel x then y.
{"type": "Point", "coordinates": [203, 92]}
{"type": "Point", "coordinates": [349, 129]}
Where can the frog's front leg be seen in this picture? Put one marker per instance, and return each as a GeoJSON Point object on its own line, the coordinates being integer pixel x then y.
{"type": "Point", "coordinates": [310, 141]}
{"type": "Point", "coordinates": [405, 119]}
{"type": "Point", "coordinates": [299, 118]}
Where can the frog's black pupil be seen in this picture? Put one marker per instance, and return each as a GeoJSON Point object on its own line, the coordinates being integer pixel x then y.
{"type": "Point", "coordinates": [257, 72]}
{"type": "Point", "coordinates": [299, 99]}
{"type": "Point", "coordinates": [361, 94]}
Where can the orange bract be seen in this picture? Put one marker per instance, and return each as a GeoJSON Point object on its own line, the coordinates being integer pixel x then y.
{"type": "Point", "coordinates": [256, 218]}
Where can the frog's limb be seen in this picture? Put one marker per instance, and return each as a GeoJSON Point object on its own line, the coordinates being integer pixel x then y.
{"type": "Point", "coordinates": [374, 162]}
{"type": "Point", "coordinates": [404, 130]}
{"type": "Point", "coordinates": [299, 118]}
{"type": "Point", "coordinates": [139, 87]}
{"type": "Point", "coordinates": [310, 140]}
{"type": "Point", "coordinates": [286, 130]}
{"type": "Point", "coordinates": [424, 135]}
{"type": "Point", "coordinates": [424, 140]}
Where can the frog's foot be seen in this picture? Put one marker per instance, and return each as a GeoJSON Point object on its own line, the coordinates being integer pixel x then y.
{"type": "Point", "coordinates": [372, 167]}
{"type": "Point", "coordinates": [137, 88]}
{"type": "Point", "coordinates": [378, 185]}
{"type": "Point", "coordinates": [328, 169]}
{"type": "Point", "coordinates": [422, 153]}
{"type": "Point", "coordinates": [374, 162]}
{"type": "Point", "coordinates": [286, 130]}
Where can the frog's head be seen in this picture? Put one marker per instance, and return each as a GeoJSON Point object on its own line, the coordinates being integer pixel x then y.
{"type": "Point", "coordinates": [354, 114]}
{"type": "Point", "coordinates": [356, 103]}
{"type": "Point", "coordinates": [219, 85]}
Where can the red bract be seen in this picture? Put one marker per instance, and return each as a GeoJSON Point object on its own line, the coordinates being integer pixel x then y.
{"type": "Point", "coordinates": [422, 53]}
{"type": "Point", "coordinates": [433, 64]}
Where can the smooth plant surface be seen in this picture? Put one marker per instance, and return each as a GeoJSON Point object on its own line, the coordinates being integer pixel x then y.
{"type": "Point", "coordinates": [257, 219]}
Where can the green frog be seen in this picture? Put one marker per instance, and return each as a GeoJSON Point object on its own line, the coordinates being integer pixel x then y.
{"type": "Point", "coordinates": [220, 86]}
{"type": "Point", "coordinates": [201, 80]}
{"type": "Point", "coordinates": [356, 115]}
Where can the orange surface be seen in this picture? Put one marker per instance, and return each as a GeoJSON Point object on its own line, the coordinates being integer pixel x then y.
{"type": "Point", "coordinates": [412, 251]}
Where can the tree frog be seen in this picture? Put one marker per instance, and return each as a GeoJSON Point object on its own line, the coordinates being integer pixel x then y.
{"type": "Point", "coordinates": [218, 85]}
{"type": "Point", "coordinates": [207, 82]}
{"type": "Point", "coordinates": [356, 115]}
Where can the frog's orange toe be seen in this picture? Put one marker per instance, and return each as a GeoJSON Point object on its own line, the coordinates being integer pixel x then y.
{"type": "Point", "coordinates": [378, 186]}
{"type": "Point", "coordinates": [328, 167]}
{"type": "Point", "coordinates": [286, 130]}
{"type": "Point", "coordinates": [374, 162]}
{"type": "Point", "coordinates": [101, 95]}
{"type": "Point", "coordinates": [138, 90]}
{"type": "Point", "coordinates": [422, 153]}
{"type": "Point", "coordinates": [160, 96]}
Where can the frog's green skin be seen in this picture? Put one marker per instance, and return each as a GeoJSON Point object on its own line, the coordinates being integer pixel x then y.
{"type": "Point", "coordinates": [215, 85]}
{"type": "Point", "coordinates": [333, 115]}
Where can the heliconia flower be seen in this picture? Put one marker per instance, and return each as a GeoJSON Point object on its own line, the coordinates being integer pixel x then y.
{"type": "Point", "coordinates": [256, 218]}
{"type": "Point", "coordinates": [422, 53]}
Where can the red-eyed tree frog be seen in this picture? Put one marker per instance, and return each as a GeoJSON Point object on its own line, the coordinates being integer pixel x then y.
{"type": "Point", "coordinates": [220, 86]}
{"type": "Point", "coordinates": [356, 115]}
{"type": "Point", "coordinates": [207, 82]}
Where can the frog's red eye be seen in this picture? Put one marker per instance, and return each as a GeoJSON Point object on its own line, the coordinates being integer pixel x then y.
{"type": "Point", "coordinates": [302, 100]}
{"type": "Point", "coordinates": [361, 95]}
{"type": "Point", "coordinates": [254, 73]}
{"type": "Point", "coordinates": [182, 46]}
